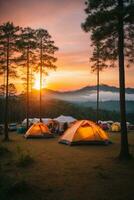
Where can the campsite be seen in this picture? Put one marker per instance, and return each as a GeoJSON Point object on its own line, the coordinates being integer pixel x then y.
{"type": "Point", "coordinates": [65, 172]}
{"type": "Point", "coordinates": [66, 100]}
{"type": "Point", "coordinates": [80, 163]}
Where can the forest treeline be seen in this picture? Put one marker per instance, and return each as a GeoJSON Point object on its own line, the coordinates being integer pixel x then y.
{"type": "Point", "coordinates": [28, 50]}
{"type": "Point", "coordinates": [54, 108]}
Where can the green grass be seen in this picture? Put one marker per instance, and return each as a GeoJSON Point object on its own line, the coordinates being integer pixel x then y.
{"type": "Point", "coordinates": [24, 158]}
{"type": "Point", "coordinates": [61, 172]}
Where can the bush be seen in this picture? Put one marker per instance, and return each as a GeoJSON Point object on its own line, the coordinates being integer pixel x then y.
{"type": "Point", "coordinates": [24, 158]}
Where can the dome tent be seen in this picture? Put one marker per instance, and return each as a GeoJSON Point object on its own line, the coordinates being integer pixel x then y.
{"type": "Point", "coordinates": [38, 130]}
{"type": "Point", "coordinates": [83, 132]}
{"type": "Point", "coordinates": [116, 127]}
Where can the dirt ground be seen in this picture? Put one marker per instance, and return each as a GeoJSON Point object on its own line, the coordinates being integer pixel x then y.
{"type": "Point", "coordinates": [61, 172]}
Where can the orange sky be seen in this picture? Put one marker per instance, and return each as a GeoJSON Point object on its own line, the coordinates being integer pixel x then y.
{"type": "Point", "coordinates": [62, 19]}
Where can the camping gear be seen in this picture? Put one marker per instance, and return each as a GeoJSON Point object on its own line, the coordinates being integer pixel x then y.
{"type": "Point", "coordinates": [53, 126]}
{"type": "Point", "coordinates": [116, 127]}
{"type": "Point", "coordinates": [21, 130]}
{"type": "Point", "coordinates": [83, 132]}
{"type": "Point", "coordinates": [12, 127]}
{"type": "Point", "coordinates": [64, 119]}
{"type": "Point", "coordinates": [104, 126]}
{"type": "Point", "coordinates": [130, 127]}
{"type": "Point", "coordinates": [38, 130]}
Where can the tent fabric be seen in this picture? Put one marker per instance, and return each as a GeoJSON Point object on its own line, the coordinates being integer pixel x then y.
{"type": "Point", "coordinates": [116, 127]}
{"type": "Point", "coordinates": [35, 120]}
{"type": "Point", "coordinates": [84, 131]}
{"type": "Point", "coordinates": [64, 119]}
{"type": "Point", "coordinates": [46, 120]}
{"type": "Point", "coordinates": [38, 130]}
{"type": "Point", "coordinates": [24, 122]}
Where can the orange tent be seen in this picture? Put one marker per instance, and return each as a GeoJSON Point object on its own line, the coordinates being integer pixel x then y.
{"type": "Point", "coordinates": [38, 130]}
{"type": "Point", "coordinates": [84, 131]}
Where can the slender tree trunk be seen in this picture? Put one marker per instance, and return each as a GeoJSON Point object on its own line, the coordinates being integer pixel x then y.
{"type": "Point", "coordinates": [124, 152]}
{"type": "Point", "coordinates": [27, 111]}
{"type": "Point", "coordinates": [4, 82]}
{"type": "Point", "coordinates": [41, 81]}
{"type": "Point", "coordinates": [31, 80]}
{"type": "Point", "coordinates": [6, 138]}
{"type": "Point", "coordinates": [98, 88]}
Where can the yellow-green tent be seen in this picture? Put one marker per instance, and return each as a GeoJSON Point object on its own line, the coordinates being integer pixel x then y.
{"type": "Point", "coordinates": [38, 130]}
{"type": "Point", "coordinates": [84, 131]}
{"type": "Point", "coordinates": [116, 127]}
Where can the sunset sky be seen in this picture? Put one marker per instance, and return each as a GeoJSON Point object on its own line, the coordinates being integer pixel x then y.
{"type": "Point", "coordinates": [62, 18]}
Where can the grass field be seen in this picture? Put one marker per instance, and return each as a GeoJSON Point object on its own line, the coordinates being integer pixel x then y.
{"type": "Point", "coordinates": [45, 170]}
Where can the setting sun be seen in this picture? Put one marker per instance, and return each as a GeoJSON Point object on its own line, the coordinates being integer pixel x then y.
{"type": "Point", "coordinates": [36, 84]}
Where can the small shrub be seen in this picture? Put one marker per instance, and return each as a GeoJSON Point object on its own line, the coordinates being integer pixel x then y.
{"type": "Point", "coordinates": [24, 158]}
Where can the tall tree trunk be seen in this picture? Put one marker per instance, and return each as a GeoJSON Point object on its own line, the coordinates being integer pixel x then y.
{"type": "Point", "coordinates": [98, 88]}
{"type": "Point", "coordinates": [27, 111]}
{"type": "Point", "coordinates": [6, 137]}
{"type": "Point", "coordinates": [4, 82]}
{"type": "Point", "coordinates": [124, 152]}
{"type": "Point", "coordinates": [41, 81]}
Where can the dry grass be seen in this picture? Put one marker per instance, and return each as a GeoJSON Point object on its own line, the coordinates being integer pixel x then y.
{"type": "Point", "coordinates": [61, 172]}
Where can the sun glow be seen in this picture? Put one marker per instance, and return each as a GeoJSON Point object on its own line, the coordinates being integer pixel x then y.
{"type": "Point", "coordinates": [36, 84]}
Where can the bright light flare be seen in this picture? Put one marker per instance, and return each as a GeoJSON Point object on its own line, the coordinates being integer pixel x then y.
{"type": "Point", "coordinates": [36, 84]}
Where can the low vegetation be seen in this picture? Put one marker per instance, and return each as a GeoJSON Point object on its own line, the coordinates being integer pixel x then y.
{"type": "Point", "coordinates": [24, 159]}
{"type": "Point", "coordinates": [63, 172]}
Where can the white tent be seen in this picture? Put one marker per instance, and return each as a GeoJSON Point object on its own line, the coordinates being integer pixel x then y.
{"type": "Point", "coordinates": [46, 120]}
{"type": "Point", "coordinates": [65, 119]}
{"type": "Point", "coordinates": [24, 122]}
{"type": "Point", "coordinates": [36, 120]}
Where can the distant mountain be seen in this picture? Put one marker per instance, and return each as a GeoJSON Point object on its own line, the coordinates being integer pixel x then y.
{"type": "Point", "coordinates": [108, 105]}
{"type": "Point", "coordinates": [107, 93]}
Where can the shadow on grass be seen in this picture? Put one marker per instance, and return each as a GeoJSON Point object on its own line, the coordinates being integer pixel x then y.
{"type": "Point", "coordinates": [4, 151]}
{"type": "Point", "coordinates": [10, 189]}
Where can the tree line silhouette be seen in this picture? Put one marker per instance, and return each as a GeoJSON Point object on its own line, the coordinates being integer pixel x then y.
{"type": "Point", "coordinates": [24, 48]}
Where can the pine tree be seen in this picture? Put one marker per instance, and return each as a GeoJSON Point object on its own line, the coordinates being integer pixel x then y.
{"type": "Point", "coordinates": [97, 65]}
{"type": "Point", "coordinates": [27, 45]}
{"type": "Point", "coordinates": [109, 22]}
{"type": "Point", "coordinates": [46, 51]}
{"type": "Point", "coordinates": [8, 37]}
